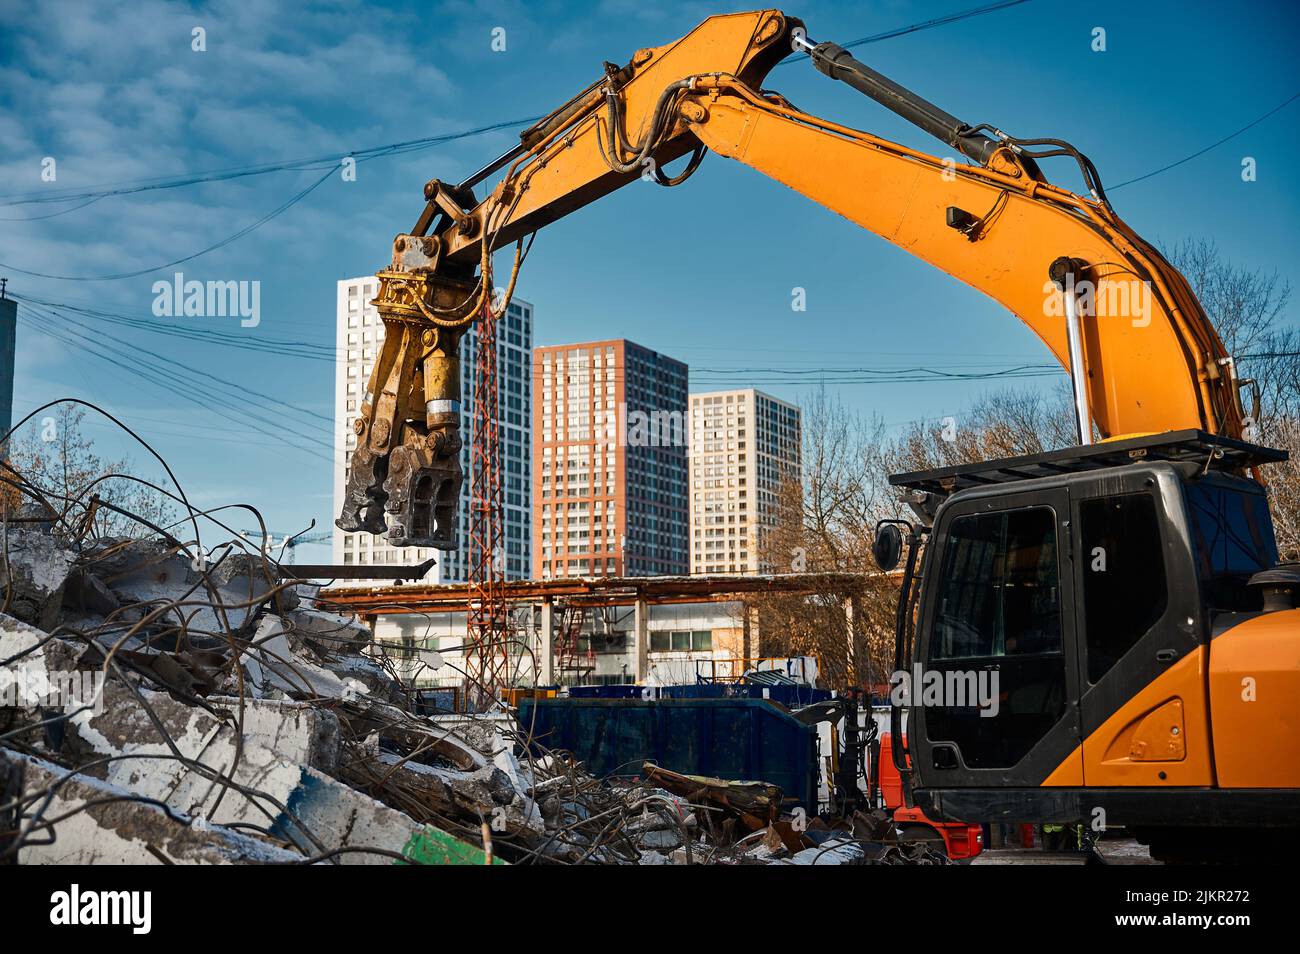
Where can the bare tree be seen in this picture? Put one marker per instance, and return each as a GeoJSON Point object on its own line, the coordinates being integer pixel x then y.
{"type": "Point", "coordinates": [1005, 423]}
{"type": "Point", "coordinates": [1249, 310]}
{"type": "Point", "coordinates": [825, 525]}
{"type": "Point", "coordinates": [58, 462]}
{"type": "Point", "coordinates": [1245, 305]}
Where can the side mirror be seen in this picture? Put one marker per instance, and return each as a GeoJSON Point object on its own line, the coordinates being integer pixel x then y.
{"type": "Point", "coordinates": [887, 548]}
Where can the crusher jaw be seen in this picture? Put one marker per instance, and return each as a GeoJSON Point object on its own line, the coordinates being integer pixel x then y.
{"type": "Point", "coordinates": [406, 461]}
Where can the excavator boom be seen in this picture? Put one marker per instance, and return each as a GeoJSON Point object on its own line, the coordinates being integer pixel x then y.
{"type": "Point", "coordinates": [1143, 356]}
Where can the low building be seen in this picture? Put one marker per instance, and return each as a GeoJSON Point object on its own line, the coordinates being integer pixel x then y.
{"type": "Point", "coordinates": [642, 630]}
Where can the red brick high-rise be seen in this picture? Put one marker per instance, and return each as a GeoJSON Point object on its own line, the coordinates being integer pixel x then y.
{"type": "Point", "coordinates": [610, 482]}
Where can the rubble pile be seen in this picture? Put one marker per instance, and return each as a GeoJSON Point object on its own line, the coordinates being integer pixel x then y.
{"type": "Point", "coordinates": [157, 707]}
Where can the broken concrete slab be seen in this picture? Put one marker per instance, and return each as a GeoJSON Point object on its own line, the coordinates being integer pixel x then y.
{"type": "Point", "coordinates": [252, 578]}
{"type": "Point", "coordinates": [339, 816]}
{"type": "Point", "coordinates": [40, 672]}
{"type": "Point", "coordinates": [504, 759]}
{"type": "Point", "coordinates": [364, 676]}
{"type": "Point", "coordinates": [277, 738]}
{"type": "Point", "coordinates": [159, 579]}
{"type": "Point", "coordinates": [279, 780]}
{"type": "Point", "coordinates": [327, 631]}
{"type": "Point", "coordinates": [120, 830]}
{"type": "Point", "coordinates": [271, 666]}
{"type": "Point", "coordinates": [87, 594]}
{"type": "Point", "coordinates": [830, 853]}
{"type": "Point", "coordinates": [34, 569]}
{"type": "Point", "coordinates": [220, 596]}
{"type": "Point", "coordinates": [112, 557]}
{"type": "Point", "coordinates": [445, 793]}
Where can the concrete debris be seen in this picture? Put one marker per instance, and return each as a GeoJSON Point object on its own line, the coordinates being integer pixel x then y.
{"type": "Point", "coordinates": [328, 632]}
{"type": "Point", "coordinates": [83, 821]}
{"type": "Point", "coordinates": [33, 574]}
{"type": "Point", "coordinates": [273, 669]}
{"type": "Point", "coordinates": [87, 593]}
{"type": "Point", "coordinates": [209, 596]}
{"type": "Point", "coordinates": [162, 706]}
{"type": "Point", "coordinates": [831, 853]}
{"type": "Point", "coordinates": [223, 716]}
{"type": "Point", "coordinates": [245, 578]}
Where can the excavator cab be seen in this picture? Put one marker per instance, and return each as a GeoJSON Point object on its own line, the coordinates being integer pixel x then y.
{"type": "Point", "coordinates": [1061, 670]}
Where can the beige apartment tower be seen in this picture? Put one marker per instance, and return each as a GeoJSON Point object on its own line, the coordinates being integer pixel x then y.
{"type": "Point", "coordinates": [744, 445]}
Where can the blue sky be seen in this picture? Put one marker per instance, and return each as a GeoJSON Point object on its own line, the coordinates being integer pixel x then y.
{"type": "Point", "coordinates": [703, 272]}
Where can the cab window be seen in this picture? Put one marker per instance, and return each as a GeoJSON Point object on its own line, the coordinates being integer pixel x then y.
{"type": "Point", "coordinates": [1123, 570]}
{"type": "Point", "coordinates": [999, 592]}
{"type": "Point", "coordinates": [1232, 537]}
{"type": "Point", "coordinates": [998, 613]}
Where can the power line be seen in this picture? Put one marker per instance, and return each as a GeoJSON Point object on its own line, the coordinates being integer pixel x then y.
{"type": "Point", "coordinates": [207, 433]}
{"type": "Point", "coordinates": [211, 248]}
{"type": "Point", "coordinates": [132, 187]}
{"type": "Point", "coordinates": [52, 215]}
{"type": "Point", "coordinates": [917, 27]}
{"type": "Point", "coordinates": [173, 387]}
{"type": "Point", "coordinates": [1214, 145]}
{"type": "Point", "coordinates": [277, 346]}
{"type": "Point", "coordinates": [880, 371]}
{"type": "Point", "coordinates": [164, 377]}
{"type": "Point", "coordinates": [723, 384]}
{"type": "Point", "coordinates": [245, 391]}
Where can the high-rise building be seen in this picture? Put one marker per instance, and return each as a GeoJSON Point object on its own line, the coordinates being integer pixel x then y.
{"type": "Point", "coordinates": [360, 334]}
{"type": "Point", "coordinates": [8, 338]}
{"type": "Point", "coordinates": [744, 446]}
{"type": "Point", "coordinates": [611, 427]}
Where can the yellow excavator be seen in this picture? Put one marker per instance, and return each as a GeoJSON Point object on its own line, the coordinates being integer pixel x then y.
{"type": "Point", "coordinates": [1123, 597]}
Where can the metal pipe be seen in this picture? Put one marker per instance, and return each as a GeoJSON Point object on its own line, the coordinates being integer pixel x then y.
{"type": "Point", "coordinates": [1083, 417]}
{"type": "Point", "coordinates": [500, 162]}
{"type": "Point", "coordinates": [898, 750]}
{"type": "Point", "coordinates": [352, 571]}
{"type": "Point", "coordinates": [838, 63]}
{"type": "Point", "coordinates": [1064, 273]}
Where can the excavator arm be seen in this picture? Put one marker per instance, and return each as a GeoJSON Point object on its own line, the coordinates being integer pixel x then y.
{"type": "Point", "coordinates": [1142, 355]}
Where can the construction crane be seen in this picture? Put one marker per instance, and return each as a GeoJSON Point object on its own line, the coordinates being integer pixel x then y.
{"type": "Point", "coordinates": [265, 539]}
{"type": "Point", "coordinates": [1122, 596]}
{"type": "Point", "coordinates": [288, 541]}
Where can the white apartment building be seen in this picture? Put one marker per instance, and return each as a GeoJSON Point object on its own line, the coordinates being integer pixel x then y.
{"type": "Point", "coordinates": [360, 333]}
{"type": "Point", "coordinates": [744, 445]}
